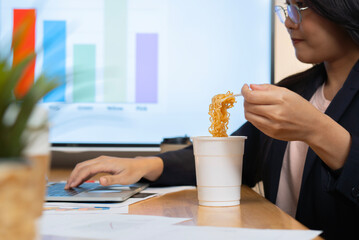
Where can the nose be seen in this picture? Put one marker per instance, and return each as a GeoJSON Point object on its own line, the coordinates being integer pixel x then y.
{"type": "Point", "coordinates": [289, 24]}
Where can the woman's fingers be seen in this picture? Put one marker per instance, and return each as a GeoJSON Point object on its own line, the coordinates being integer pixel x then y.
{"type": "Point", "coordinates": [259, 122]}
{"type": "Point", "coordinates": [264, 94]}
{"type": "Point", "coordinates": [122, 178]}
{"type": "Point", "coordinates": [73, 174]}
{"type": "Point", "coordinates": [272, 112]}
{"type": "Point", "coordinates": [88, 169]}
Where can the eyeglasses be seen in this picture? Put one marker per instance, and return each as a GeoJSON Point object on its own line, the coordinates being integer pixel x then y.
{"type": "Point", "coordinates": [293, 11]}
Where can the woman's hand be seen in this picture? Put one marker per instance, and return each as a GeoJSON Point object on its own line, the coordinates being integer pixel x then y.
{"type": "Point", "coordinates": [280, 113]}
{"type": "Point", "coordinates": [122, 171]}
{"type": "Point", "coordinates": [284, 115]}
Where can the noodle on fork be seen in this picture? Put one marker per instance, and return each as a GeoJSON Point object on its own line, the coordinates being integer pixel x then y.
{"type": "Point", "coordinates": [219, 116]}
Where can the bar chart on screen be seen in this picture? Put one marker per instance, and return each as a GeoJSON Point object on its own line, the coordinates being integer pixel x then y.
{"type": "Point", "coordinates": [105, 51]}
{"type": "Point", "coordinates": [136, 71]}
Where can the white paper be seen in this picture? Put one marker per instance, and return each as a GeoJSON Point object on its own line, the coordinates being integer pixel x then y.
{"type": "Point", "coordinates": [165, 190]}
{"type": "Point", "coordinates": [103, 226]}
{"type": "Point", "coordinates": [215, 233]}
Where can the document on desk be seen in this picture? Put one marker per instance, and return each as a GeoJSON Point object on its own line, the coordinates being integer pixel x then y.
{"type": "Point", "coordinates": [59, 209]}
{"type": "Point", "coordinates": [166, 190]}
{"type": "Point", "coordinates": [215, 233]}
{"type": "Point", "coordinates": [104, 226]}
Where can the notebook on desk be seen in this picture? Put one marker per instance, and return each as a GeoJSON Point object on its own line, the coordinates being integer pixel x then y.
{"type": "Point", "coordinates": [92, 192]}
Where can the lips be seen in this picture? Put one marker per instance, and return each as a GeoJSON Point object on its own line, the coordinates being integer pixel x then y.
{"type": "Point", "coordinates": [296, 40]}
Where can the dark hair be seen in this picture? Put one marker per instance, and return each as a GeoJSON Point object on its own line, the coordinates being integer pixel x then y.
{"type": "Point", "coordinates": [298, 82]}
{"type": "Point", "coordinates": [342, 12]}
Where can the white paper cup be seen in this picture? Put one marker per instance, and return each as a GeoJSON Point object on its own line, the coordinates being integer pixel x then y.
{"type": "Point", "coordinates": [219, 169]}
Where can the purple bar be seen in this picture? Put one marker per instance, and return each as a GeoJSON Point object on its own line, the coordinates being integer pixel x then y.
{"type": "Point", "coordinates": [146, 67]}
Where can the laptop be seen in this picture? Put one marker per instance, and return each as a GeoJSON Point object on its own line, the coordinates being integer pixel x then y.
{"type": "Point", "coordinates": [92, 192]}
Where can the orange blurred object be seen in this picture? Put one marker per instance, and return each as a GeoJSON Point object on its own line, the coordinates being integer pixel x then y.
{"type": "Point", "coordinates": [23, 45]}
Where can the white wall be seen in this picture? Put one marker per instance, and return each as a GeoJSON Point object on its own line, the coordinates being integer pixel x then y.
{"type": "Point", "coordinates": [285, 62]}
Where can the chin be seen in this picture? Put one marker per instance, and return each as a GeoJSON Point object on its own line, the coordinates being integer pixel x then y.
{"type": "Point", "coordinates": [307, 58]}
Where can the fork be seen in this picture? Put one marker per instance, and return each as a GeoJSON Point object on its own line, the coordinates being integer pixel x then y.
{"type": "Point", "coordinates": [233, 95]}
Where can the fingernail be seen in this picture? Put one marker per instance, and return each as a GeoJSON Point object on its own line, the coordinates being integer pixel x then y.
{"type": "Point", "coordinates": [103, 181]}
{"type": "Point", "coordinates": [259, 86]}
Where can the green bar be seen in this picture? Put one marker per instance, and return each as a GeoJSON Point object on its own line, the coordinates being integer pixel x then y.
{"type": "Point", "coordinates": [84, 73]}
{"type": "Point", "coordinates": [115, 72]}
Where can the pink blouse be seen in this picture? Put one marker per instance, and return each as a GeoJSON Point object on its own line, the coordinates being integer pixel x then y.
{"type": "Point", "coordinates": [293, 164]}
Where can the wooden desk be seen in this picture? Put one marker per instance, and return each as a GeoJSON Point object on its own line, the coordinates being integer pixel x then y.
{"type": "Point", "coordinates": [253, 212]}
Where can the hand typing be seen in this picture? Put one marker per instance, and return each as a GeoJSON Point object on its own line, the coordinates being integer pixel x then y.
{"type": "Point", "coordinates": [122, 171]}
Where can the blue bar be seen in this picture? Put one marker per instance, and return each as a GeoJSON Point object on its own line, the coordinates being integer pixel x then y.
{"type": "Point", "coordinates": [54, 65]}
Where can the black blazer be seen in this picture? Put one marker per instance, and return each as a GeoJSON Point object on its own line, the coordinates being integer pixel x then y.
{"type": "Point", "coordinates": [329, 200]}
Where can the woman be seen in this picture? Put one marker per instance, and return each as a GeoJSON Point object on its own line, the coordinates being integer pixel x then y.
{"type": "Point", "coordinates": [306, 127]}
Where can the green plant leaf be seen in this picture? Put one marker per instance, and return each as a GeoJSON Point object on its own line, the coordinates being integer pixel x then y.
{"type": "Point", "coordinates": [40, 88]}
{"type": "Point", "coordinates": [9, 78]}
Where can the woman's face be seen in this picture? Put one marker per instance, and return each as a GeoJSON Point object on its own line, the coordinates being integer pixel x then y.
{"type": "Point", "coordinates": [316, 39]}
